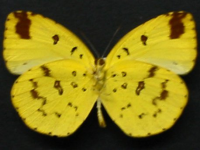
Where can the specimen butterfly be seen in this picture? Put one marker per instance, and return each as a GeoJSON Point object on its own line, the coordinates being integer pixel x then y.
{"type": "Point", "coordinates": [137, 83]}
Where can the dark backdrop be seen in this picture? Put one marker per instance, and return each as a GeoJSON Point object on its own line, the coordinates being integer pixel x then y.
{"type": "Point", "coordinates": [98, 20]}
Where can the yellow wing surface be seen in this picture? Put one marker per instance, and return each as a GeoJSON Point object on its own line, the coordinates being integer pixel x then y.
{"type": "Point", "coordinates": [168, 41]}
{"type": "Point", "coordinates": [142, 93]}
{"type": "Point", "coordinates": [143, 99]}
{"type": "Point", "coordinates": [31, 39]}
{"type": "Point", "coordinates": [54, 98]}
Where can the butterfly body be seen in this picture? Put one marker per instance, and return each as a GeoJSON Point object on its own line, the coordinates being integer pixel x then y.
{"type": "Point", "coordinates": [137, 83]}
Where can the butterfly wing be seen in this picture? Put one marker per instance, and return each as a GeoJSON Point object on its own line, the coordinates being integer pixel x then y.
{"type": "Point", "coordinates": [168, 40]}
{"type": "Point", "coordinates": [54, 98]}
{"type": "Point", "coordinates": [143, 99]}
{"type": "Point", "coordinates": [32, 39]}
{"type": "Point", "coordinates": [142, 93]}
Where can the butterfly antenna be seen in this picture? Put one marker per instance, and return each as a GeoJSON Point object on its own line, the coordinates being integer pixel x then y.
{"type": "Point", "coordinates": [111, 40]}
{"type": "Point", "coordinates": [90, 44]}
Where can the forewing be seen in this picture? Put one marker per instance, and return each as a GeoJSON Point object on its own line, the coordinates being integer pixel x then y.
{"type": "Point", "coordinates": [168, 41]}
{"type": "Point", "coordinates": [32, 39]}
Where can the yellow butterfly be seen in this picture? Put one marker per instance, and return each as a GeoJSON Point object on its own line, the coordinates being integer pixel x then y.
{"type": "Point", "coordinates": [137, 82]}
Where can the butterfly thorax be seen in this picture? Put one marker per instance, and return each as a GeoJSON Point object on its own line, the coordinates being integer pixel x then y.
{"type": "Point", "coordinates": [99, 73]}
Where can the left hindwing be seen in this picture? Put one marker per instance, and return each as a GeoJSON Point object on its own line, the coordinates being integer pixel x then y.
{"type": "Point", "coordinates": [168, 40]}
{"type": "Point", "coordinates": [54, 98]}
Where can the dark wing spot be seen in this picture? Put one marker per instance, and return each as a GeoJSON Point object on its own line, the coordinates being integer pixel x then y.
{"type": "Point", "coordinates": [157, 112]}
{"type": "Point", "coordinates": [118, 56]}
{"type": "Point", "coordinates": [148, 134]}
{"type": "Point", "coordinates": [35, 84]}
{"type": "Point", "coordinates": [124, 85]}
{"type": "Point", "coordinates": [128, 105]}
{"type": "Point", "coordinates": [69, 104]}
{"type": "Point", "coordinates": [124, 74]}
{"type": "Point", "coordinates": [84, 74]}
{"type": "Point", "coordinates": [126, 50]}
{"type": "Point", "coordinates": [164, 95]}
{"type": "Point", "coordinates": [42, 111]}
{"type": "Point", "coordinates": [123, 108]}
{"type": "Point", "coordinates": [74, 73]}
{"type": "Point", "coordinates": [141, 86]}
{"type": "Point", "coordinates": [176, 25]}
{"type": "Point", "coordinates": [57, 114]}
{"type": "Point", "coordinates": [23, 25]}
{"type": "Point", "coordinates": [144, 39]}
{"type": "Point", "coordinates": [58, 87]}
{"type": "Point", "coordinates": [74, 85]}
{"type": "Point", "coordinates": [44, 101]}
{"type": "Point", "coordinates": [152, 71]}
{"type": "Point", "coordinates": [34, 94]}
{"type": "Point", "coordinates": [55, 39]}
{"type": "Point", "coordinates": [114, 90]}
{"type": "Point", "coordinates": [155, 115]}
{"type": "Point", "coordinates": [113, 75]}
{"type": "Point", "coordinates": [141, 115]}
{"type": "Point", "coordinates": [45, 70]}
{"type": "Point", "coordinates": [154, 101]}
{"type": "Point", "coordinates": [84, 89]}
{"type": "Point", "coordinates": [75, 107]}
{"type": "Point", "coordinates": [73, 50]}
{"type": "Point", "coordinates": [81, 56]}
{"type": "Point", "coordinates": [164, 84]}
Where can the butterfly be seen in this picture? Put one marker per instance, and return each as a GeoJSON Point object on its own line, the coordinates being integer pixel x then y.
{"type": "Point", "coordinates": [137, 83]}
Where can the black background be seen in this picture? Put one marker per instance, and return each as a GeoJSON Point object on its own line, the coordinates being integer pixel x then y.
{"type": "Point", "coordinates": [98, 20]}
